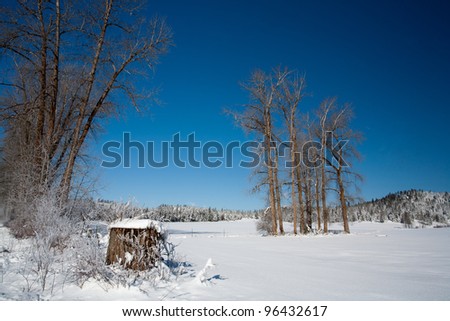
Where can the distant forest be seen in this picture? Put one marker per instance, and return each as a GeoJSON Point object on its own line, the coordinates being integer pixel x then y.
{"type": "Point", "coordinates": [405, 207]}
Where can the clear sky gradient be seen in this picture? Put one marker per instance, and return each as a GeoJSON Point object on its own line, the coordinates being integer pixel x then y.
{"type": "Point", "coordinates": [390, 59]}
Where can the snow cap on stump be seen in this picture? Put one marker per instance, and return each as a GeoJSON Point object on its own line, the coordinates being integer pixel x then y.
{"type": "Point", "coordinates": [134, 244]}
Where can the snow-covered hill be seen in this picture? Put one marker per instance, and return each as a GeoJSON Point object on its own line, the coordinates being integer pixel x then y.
{"type": "Point", "coordinates": [407, 207]}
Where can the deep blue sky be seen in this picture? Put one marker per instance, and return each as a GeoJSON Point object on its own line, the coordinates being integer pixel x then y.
{"type": "Point", "coordinates": [390, 59]}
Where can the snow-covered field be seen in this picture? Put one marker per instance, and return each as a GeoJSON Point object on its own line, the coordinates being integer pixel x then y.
{"type": "Point", "coordinates": [231, 261]}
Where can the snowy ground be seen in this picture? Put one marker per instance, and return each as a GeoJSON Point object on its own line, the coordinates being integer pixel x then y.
{"type": "Point", "coordinates": [376, 262]}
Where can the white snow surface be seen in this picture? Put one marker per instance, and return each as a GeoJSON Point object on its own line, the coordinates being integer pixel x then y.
{"type": "Point", "coordinates": [378, 261]}
{"type": "Point", "coordinates": [137, 224]}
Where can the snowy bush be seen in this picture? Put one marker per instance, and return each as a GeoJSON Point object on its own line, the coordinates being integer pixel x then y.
{"type": "Point", "coordinates": [406, 220]}
{"type": "Point", "coordinates": [87, 254]}
{"type": "Point", "coordinates": [51, 233]}
{"type": "Point", "coordinates": [264, 224]}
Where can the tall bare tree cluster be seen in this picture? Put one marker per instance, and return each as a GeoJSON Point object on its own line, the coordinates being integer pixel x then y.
{"type": "Point", "coordinates": [67, 64]}
{"type": "Point", "coordinates": [307, 154]}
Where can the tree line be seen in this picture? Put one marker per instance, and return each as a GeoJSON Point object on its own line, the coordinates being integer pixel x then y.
{"type": "Point", "coordinates": [275, 116]}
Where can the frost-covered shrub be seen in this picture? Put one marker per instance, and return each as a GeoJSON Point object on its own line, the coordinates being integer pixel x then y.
{"type": "Point", "coordinates": [87, 256]}
{"type": "Point", "coordinates": [264, 224]}
{"type": "Point", "coordinates": [44, 216]}
{"type": "Point", "coordinates": [406, 220]}
{"type": "Point", "coordinates": [51, 226]}
{"type": "Point", "coordinates": [51, 231]}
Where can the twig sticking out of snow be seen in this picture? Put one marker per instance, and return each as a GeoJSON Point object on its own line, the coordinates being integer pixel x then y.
{"type": "Point", "coordinates": [202, 276]}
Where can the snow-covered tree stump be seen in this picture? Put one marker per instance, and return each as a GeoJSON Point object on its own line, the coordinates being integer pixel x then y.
{"type": "Point", "coordinates": [134, 244]}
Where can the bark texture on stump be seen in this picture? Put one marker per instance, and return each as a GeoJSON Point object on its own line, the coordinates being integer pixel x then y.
{"type": "Point", "coordinates": [134, 248]}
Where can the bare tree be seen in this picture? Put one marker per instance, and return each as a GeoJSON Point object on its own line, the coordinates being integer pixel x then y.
{"type": "Point", "coordinates": [68, 62]}
{"type": "Point", "coordinates": [317, 197]}
{"type": "Point", "coordinates": [277, 184]}
{"type": "Point", "coordinates": [257, 117]}
{"type": "Point", "coordinates": [290, 95]}
{"type": "Point", "coordinates": [340, 158]}
{"type": "Point", "coordinates": [321, 132]}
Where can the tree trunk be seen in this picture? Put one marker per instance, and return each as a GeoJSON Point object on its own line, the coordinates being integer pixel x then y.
{"type": "Point", "coordinates": [136, 249]}
{"type": "Point", "coordinates": [317, 200]}
{"type": "Point", "coordinates": [343, 201]}
{"type": "Point", "coordinates": [324, 199]}
{"type": "Point", "coordinates": [54, 86]}
{"type": "Point", "coordinates": [294, 165]}
{"type": "Point", "coordinates": [293, 198]}
{"type": "Point", "coordinates": [80, 130]}
{"type": "Point", "coordinates": [308, 197]}
{"type": "Point", "coordinates": [40, 121]}
{"type": "Point", "coordinates": [278, 194]}
{"type": "Point", "coordinates": [303, 229]}
{"type": "Point", "coordinates": [271, 189]}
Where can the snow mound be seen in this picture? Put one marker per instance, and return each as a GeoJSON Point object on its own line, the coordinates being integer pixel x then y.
{"type": "Point", "coordinates": [138, 224]}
